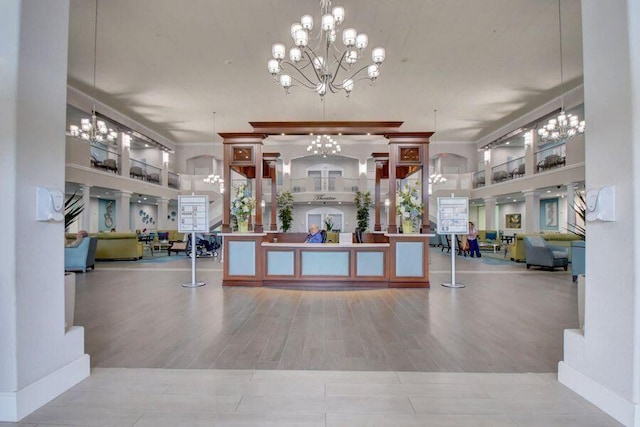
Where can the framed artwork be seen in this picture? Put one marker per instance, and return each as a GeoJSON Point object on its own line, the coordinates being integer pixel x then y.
{"type": "Point", "coordinates": [549, 214]}
{"type": "Point", "coordinates": [513, 220]}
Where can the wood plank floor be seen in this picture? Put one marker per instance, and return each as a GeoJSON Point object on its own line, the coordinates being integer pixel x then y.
{"type": "Point", "coordinates": [507, 319]}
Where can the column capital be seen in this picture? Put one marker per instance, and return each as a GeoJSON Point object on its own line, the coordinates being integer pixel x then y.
{"type": "Point", "coordinates": [489, 200]}
{"type": "Point", "coordinates": [124, 193]}
{"type": "Point", "coordinates": [529, 193]}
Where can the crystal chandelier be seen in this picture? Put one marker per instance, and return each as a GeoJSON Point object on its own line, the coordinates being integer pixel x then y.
{"type": "Point", "coordinates": [564, 126]}
{"type": "Point", "coordinates": [324, 145]}
{"type": "Point", "coordinates": [318, 68]}
{"type": "Point", "coordinates": [93, 130]}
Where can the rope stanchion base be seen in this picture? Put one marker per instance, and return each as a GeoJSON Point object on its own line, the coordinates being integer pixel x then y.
{"type": "Point", "coordinates": [193, 285]}
{"type": "Point", "coordinates": [453, 285]}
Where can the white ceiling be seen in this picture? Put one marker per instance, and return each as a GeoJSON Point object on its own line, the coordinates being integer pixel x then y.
{"type": "Point", "coordinates": [170, 65]}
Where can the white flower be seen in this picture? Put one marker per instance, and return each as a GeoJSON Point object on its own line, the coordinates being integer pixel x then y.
{"type": "Point", "coordinates": [406, 215]}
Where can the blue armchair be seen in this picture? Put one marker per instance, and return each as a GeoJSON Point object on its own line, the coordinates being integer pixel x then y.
{"type": "Point", "coordinates": [81, 257]}
{"type": "Point", "coordinates": [541, 255]}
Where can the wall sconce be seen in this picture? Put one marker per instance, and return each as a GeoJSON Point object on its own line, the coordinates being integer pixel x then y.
{"type": "Point", "coordinates": [363, 168]}
{"type": "Point", "coordinates": [165, 158]}
{"type": "Point", "coordinates": [126, 140]}
{"type": "Point", "coordinates": [528, 139]}
{"type": "Point", "coordinates": [286, 168]}
{"type": "Point", "coordinates": [487, 156]}
{"type": "Point", "coordinates": [263, 204]}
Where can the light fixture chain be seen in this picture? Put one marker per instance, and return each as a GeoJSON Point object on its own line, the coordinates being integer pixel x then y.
{"type": "Point", "coordinates": [95, 54]}
{"type": "Point", "coordinates": [561, 59]}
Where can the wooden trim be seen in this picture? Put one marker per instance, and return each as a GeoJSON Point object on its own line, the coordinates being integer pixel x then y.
{"type": "Point", "coordinates": [328, 127]}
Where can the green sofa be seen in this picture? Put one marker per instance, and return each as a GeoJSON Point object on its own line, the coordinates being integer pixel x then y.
{"type": "Point", "coordinates": [116, 246]}
{"type": "Point", "coordinates": [517, 252]}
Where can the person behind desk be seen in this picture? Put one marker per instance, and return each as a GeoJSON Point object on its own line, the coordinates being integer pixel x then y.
{"type": "Point", "coordinates": [314, 235]}
{"type": "Point", "coordinates": [79, 237]}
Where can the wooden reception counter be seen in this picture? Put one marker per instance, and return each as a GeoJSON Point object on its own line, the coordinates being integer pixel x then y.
{"type": "Point", "coordinates": [394, 260]}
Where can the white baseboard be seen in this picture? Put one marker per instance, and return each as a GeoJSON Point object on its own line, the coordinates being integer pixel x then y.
{"type": "Point", "coordinates": [624, 411]}
{"type": "Point", "coordinates": [14, 406]}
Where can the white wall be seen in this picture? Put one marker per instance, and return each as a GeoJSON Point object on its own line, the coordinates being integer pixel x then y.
{"type": "Point", "coordinates": [136, 219]}
{"type": "Point", "coordinates": [603, 363]}
{"type": "Point", "coordinates": [511, 208]}
{"type": "Point", "coordinates": [33, 342]}
{"type": "Point", "coordinates": [348, 165]}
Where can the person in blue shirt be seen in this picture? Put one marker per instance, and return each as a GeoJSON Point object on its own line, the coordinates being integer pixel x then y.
{"type": "Point", "coordinates": [314, 235]}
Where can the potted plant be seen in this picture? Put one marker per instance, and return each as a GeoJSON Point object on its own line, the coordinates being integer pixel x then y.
{"type": "Point", "coordinates": [72, 208]}
{"type": "Point", "coordinates": [409, 206]}
{"type": "Point", "coordinates": [242, 207]}
{"type": "Point", "coordinates": [328, 222]}
{"type": "Point", "coordinates": [285, 210]}
{"type": "Point", "coordinates": [363, 204]}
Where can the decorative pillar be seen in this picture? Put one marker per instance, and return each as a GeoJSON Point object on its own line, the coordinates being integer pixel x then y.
{"type": "Point", "coordinates": [123, 211]}
{"type": "Point", "coordinates": [408, 154]}
{"type": "Point", "coordinates": [532, 211]}
{"type": "Point", "coordinates": [242, 152]}
{"type": "Point", "coordinates": [490, 213]}
{"type": "Point", "coordinates": [163, 212]}
{"type": "Point", "coordinates": [382, 171]}
{"type": "Point", "coordinates": [270, 163]}
{"type": "Point", "coordinates": [86, 212]}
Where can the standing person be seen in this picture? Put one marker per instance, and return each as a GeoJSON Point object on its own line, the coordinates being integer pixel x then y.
{"type": "Point", "coordinates": [472, 238]}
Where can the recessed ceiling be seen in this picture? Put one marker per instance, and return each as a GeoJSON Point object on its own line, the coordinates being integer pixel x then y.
{"type": "Point", "coordinates": [170, 66]}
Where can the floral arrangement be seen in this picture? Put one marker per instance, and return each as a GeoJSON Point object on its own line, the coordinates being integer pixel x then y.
{"type": "Point", "coordinates": [328, 222]}
{"type": "Point", "coordinates": [409, 202]}
{"type": "Point", "coordinates": [243, 205]}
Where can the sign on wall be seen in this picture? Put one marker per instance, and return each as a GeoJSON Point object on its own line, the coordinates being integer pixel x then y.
{"type": "Point", "coordinates": [453, 215]}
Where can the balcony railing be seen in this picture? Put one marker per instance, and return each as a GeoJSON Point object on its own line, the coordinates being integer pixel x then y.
{"type": "Point", "coordinates": [174, 180]}
{"type": "Point", "coordinates": [104, 159]}
{"type": "Point", "coordinates": [551, 157]}
{"type": "Point", "coordinates": [509, 170]}
{"type": "Point", "coordinates": [324, 184]}
{"type": "Point", "coordinates": [477, 179]}
{"type": "Point", "coordinates": [145, 172]}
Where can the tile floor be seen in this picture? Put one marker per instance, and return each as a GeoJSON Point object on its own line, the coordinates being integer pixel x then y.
{"type": "Point", "coordinates": [174, 397]}
{"type": "Point", "coordinates": [122, 391]}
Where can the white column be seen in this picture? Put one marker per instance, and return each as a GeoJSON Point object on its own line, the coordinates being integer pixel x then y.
{"type": "Point", "coordinates": [38, 359]}
{"type": "Point", "coordinates": [163, 212]}
{"type": "Point", "coordinates": [86, 212]}
{"type": "Point", "coordinates": [602, 362]}
{"type": "Point", "coordinates": [529, 155]}
{"type": "Point", "coordinates": [488, 176]}
{"type": "Point", "coordinates": [490, 213]}
{"type": "Point", "coordinates": [164, 174]}
{"type": "Point", "coordinates": [123, 211]}
{"type": "Point", "coordinates": [531, 211]}
{"type": "Point", "coordinates": [123, 148]}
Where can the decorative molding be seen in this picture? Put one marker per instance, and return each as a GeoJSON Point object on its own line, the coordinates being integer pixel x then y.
{"type": "Point", "coordinates": [14, 406]}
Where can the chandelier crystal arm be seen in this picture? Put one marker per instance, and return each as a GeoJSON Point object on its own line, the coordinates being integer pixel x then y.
{"type": "Point", "coordinates": [302, 83]}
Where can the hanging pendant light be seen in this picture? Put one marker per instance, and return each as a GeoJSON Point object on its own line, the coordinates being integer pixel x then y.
{"type": "Point", "coordinates": [565, 126]}
{"type": "Point", "coordinates": [92, 130]}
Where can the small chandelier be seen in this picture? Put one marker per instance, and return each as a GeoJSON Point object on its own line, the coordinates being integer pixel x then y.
{"type": "Point", "coordinates": [324, 145]}
{"type": "Point", "coordinates": [436, 178]}
{"type": "Point", "coordinates": [565, 126]}
{"type": "Point", "coordinates": [215, 179]}
{"type": "Point", "coordinates": [93, 130]}
{"type": "Point", "coordinates": [318, 68]}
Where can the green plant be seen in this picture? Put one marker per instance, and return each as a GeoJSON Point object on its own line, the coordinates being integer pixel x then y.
{"type": "Point", "coordinates": [285, 210]}
{"type": "Point", "coordinates": [328, 222]}
{"type": "Point", "coordinates": [72, 209]}
{"type": "Point", "coordinates": [363, 204]}
{"type": "Point", "coordinates": [579, 206]}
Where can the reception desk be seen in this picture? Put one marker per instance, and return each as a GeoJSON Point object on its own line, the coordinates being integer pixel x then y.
{"type": "Point", "coordinates": [253, 259]}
